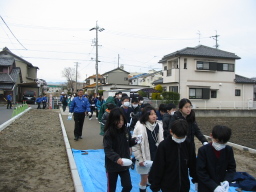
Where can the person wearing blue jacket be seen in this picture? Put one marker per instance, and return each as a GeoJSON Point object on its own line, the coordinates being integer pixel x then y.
{"type": "Point", "coordinates": [79, 106]}
{"type": "Point", "coordinates": [44, 101]}
{"type": "Point", "coordinates": [39, 101]}
{"type": "Point", "coordinates": [9, 101]}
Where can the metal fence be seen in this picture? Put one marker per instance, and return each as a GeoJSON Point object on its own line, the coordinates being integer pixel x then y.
{"type": "Point", "coordinates": [204, 104]}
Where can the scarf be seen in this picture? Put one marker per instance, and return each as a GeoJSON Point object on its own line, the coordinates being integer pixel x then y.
{"type": "Point", "coordinates": [150, 126]}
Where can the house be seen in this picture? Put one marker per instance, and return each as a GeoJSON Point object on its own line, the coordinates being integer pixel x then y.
{"type": "Point", "coordinates": [206, 76]}
{"type": "Point", "coordinates": [116, 76]}
{"type": "Point", "coordinates": [18, 72]}
{"type": "Point", "coordinates": [146, 79]}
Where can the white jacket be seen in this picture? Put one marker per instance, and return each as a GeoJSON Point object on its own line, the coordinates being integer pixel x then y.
{"type": "Point", "coordinates": [141, 151]}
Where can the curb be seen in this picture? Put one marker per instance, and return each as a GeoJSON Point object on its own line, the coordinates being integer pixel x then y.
{"type": "Point", "coordinates": [7, 123]}
{"type": "Point", "coordinates": [240, 147]}
{"type": "Point", "coordinates": [74, 172]}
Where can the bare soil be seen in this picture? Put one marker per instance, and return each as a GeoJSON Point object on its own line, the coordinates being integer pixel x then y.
{"type": "Point", "coordinates": [33, 155]}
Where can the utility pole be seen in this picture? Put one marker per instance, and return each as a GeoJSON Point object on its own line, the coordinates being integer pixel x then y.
{"type": "Point", "coordinates": [96, 44]}
{"type": "Point", "coordinates": [76, 75]}
{"type": "Point", "coordinates": [199, 34]}
{"type": "Point", "coordinates": [216, 39]}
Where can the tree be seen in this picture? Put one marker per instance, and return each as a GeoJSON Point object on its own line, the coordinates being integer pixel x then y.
{"type": "Point", "coordinates": [159, 88]}
{"type": "Point", "coordinates": [70, 74]}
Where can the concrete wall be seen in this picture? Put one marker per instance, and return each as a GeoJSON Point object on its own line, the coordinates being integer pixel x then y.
{"type": "Point", "coordinates": [225, 113]}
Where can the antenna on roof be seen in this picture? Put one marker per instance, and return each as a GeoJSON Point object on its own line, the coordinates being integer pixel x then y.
{"type": "Point", "coordinates": [216, 39]}
{"type": "Point", "coordinates": [199, 34]}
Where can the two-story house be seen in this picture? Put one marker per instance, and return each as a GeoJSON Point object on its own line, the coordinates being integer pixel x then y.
{"type": "Point", "coordinates": [146, 79]}
{"type": "Point", "coordinates": [28, 72]}
{"type": "Point", "coordinates": [206, 76]}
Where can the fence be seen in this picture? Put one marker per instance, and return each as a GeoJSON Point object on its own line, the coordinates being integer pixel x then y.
{"type": "Point", "coordinates": [204, 104]}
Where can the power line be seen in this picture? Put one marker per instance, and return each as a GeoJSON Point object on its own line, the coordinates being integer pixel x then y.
{"type": "Point", "coordinates": [12, 32]}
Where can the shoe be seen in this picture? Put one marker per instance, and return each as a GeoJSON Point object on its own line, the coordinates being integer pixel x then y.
{"type": "Point", "coordinates": [96, 117]}
{"type": "Point", "coordinates": [80, 137]}
{"type": "Point", "coordinates": [76, 139]}
{"type": "Point", "coordinates": [90, 118]}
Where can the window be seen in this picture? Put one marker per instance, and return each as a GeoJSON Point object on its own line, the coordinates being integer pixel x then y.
{"type": "Point", "coordinates": [94, 80]}
{"type": "Point", "coordinates": [169, 72]}
{"type": "Point", "coordinates": [1, 69]}
{"type": "Point", "coordinates": [237, 92]}
{"type": "Point", "coordinates": [228, 67]}
{"type": "Point", "coordinates": [213, 94]}
{"type": "Point", "coordinates": [165, 68]}
{"type": "Point", "coordinates": [173, 89]}
{"type": "Point", "coordinates": [126, 78]}
{"type": "Point", "coordinates": [199, 93]}
{"type": "Point", "coordinates": [185, 63]}
{"type": "Point", "coordinates": [201, 65]}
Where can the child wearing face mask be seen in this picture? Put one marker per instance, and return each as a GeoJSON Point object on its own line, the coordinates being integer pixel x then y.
{"type": "Point", "coordinates": [216, 164]}
{"type": "Point", "coordinates": [151, 131]}
{"type": "Point", "coordinates": [127, 110]}
{"type": "Point", "coordinates": [174, 157]}
{"type": "Point", "coordinates": [117, 141]}
{"type": "Point", "coordinates": [169, 111]}
{"type": "Point", "coordinates": [135, 115]}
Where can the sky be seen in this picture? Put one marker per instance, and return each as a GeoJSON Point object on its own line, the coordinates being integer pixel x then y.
{"type": "Point", "coordinates": [55, 34]}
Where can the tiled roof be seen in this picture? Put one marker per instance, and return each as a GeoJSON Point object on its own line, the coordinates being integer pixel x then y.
{"type": "Point", "coordinates": [12, 78]}
{"type": "Point", "coordinates": [92, 85]}
{"type": "Point", "coordinates": [118, 68]}
{"type": "Point", "coordinates": [6, 86]}
{"type": "Point", "coordinates": [159, 81]}
{"type": "Point", "coordinates": [137, 76]}
{"type": "Point", "coordinates": [94, 76]}
{"type": "Point", "coordinates": [241, 79]}
{"type": "Point", "coordinates": [6, 61]}
{"type": "Point", "coordinates": [201, 51]}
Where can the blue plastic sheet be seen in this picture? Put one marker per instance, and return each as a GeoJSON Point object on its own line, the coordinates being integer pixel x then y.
{"type": "Point", "coordinates": [93, 175]}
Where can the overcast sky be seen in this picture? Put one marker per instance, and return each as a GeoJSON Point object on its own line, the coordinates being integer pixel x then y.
{"type": "Point", "coordinates": [54, 34]}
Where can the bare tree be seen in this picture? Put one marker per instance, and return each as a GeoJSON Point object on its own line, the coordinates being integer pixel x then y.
{"type": "Point", "coordinates": [70, 74]}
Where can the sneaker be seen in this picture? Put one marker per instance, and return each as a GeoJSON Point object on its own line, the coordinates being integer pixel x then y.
{"type": "Point", "coordinates": [80, 137]}
{"type": "Point", "coordinates": [90, 118]}
{"type": "Point", "coordinates": [96, 117]}
{"type": "Point", "coordinates": [76, 139]}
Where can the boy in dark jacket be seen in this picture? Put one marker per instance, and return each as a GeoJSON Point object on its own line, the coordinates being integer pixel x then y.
{"type": "Point", "coordinates": [216, 165]}
{"type": "Point", "coordinates": [106, 114]}
{"type": "Point", "coordinates": [174, 157]}
{"type": "Point", "coordinates": [170, 109]}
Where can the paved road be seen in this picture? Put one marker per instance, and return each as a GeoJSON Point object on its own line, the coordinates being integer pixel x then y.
{"type": "Point", "coordinates": [91, 138]}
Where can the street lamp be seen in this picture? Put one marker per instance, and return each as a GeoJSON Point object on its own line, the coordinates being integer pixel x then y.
{"type": "Point", "coordinates": [97, 28]}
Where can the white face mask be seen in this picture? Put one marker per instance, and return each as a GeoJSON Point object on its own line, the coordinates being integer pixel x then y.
{"type": "Point", "coordinates": [135, 105]}
{"type": "Point", "coordinates": [218, 146]}
{"type": "Point", "coordinates": [179, 140]}
{"type": "Point", "coordinates": [141, 102]}
{"type": "Point", "coordinates": [126, 104]}
{"type": "Point", "coordinates": [120, 96]}
{"type": "Point", "coordinates": [172, 113]}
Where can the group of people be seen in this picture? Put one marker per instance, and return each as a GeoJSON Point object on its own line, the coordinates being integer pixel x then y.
{"type": "Point", "coordinates": [42, 100]}
{"type": "Point", "coordinates": [164, 150]}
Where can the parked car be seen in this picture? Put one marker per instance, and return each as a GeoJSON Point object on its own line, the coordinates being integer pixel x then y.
{"type": "Point", "coordinates": [29, 96]}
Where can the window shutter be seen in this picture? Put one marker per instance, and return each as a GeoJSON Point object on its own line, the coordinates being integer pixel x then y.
{"type": "Point", "coordinates": [206, 93]}
{"type": "Point", "coordinates": [220, 66]}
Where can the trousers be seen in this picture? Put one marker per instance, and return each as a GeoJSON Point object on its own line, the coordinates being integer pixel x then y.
{"type": "Point", "coordinates": [125, 181]}
{"type": "Point", "coordinates": [79, 123]}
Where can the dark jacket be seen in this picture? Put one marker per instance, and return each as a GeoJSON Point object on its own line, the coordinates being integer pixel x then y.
{"type": "Point", "coordinates": [116, 147]}
{"type": "Point", "coordinates": [193, 129]}
{"type": "Point", "coordinates": [169, 171]}
{"type": "Point", "coordinates": [212, 170]}
{"type": "Point", "coordinates": [166, 120]}
{"type": "Point", "coordinates": [127, 113]}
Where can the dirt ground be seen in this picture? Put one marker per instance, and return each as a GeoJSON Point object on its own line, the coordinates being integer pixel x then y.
{"type": "Point", "coordinates": [33, 156]}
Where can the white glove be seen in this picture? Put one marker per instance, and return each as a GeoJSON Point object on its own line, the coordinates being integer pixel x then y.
{"type": "Point", "coordinates": [205, 143]}
{"type": "Point", "coordinates": [225, 184]}
{"type": "Point", "coordinates": [196, 186]}
{"type": "Point", "coordinates": [138, 139]}
{"type": "Point", "coordinates": [219, 189]}
{"type": "Point", "coordinates": [89, 113]}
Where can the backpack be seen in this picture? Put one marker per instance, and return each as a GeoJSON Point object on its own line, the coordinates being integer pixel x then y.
{"type": "Point", "coordinates": [244, 181]}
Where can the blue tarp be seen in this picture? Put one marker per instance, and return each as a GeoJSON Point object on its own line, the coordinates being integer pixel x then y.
{"type": "Point", "coordinates": [93, 175]}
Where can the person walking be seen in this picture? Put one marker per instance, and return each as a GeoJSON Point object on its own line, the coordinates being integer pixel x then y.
{"type": "Point", "coordinates": [39, 101]}
{"type": "Point", "coordinates": [117, 140]}
{"type": "Point", "coordinates": [64, 102]}
{"type": "Point", "coordinates": [185, 112]}
{"type": "Point", "coordinates": [79, 107]}
{"type": "Point", "coordinates": [9, 101]}
{"type": "Point", "coordinates": [99, 103]}
{"type": "Point", "coordinates": [152, 134]}
{"type": "Point", "coordinates": [44, 101]}
{"type": "Point", "coordinates": [92, 103]}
